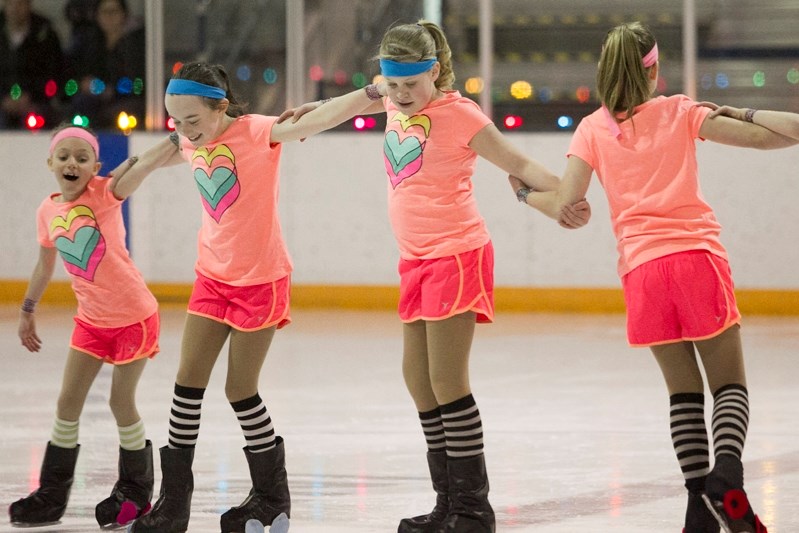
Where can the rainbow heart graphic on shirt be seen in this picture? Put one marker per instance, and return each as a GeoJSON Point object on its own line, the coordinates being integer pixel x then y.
{"type": "Point", "coordinates": [402, 156]}
{"type": "Point", "coordinates": [216, 178]}
{"type": "Point", "coordinates": [79, 241]}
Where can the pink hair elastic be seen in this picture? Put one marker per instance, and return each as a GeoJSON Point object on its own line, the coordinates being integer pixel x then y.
{"type": "Point", "coordinates": [651, 58]}
{"type": "Point", "coordinates": [80, 133]}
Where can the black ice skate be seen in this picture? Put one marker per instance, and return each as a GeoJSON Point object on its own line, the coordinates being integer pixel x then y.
{"type": "Point", "coordinates": [46, 505]}
{"type": "Point", "coordinates": [269, 502]}
{"type": "Point", "coordinates": [469, 509]}
{"type": "Point", "coordinates": [130, 497]}
{"type": "Point", "coordinates": [429, 523]}
{"type": "Point", "coordinates": [171, 512]}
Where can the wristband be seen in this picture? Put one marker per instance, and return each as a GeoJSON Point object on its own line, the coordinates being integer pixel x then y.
{"type": "Point", "coordinates": [28, 305]}
{"type": "Point", "coordinates": [372, 92]}
{"type": "Point", "coordinates": [749, 116]}
{"type": "Point", "coordinates": [522, 193]}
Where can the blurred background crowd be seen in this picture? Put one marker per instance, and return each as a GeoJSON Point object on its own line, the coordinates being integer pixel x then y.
{"type": "Point", "coordinates": [85, 60]}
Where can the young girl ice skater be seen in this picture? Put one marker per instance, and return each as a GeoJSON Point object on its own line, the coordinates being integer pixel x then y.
{"type": "Point", "coordinates": [432, 140]}
{"type": "Point", "coordinates": [241, 294]}
{"type": "Point", "coordinates": [677, 283]}
{"type": "Point", "coordinates": [116, 323]}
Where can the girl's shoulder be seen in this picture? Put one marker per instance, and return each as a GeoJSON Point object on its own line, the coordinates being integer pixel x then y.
{"type": "Point", "coordinates": [250, 128]}
{"type": "Point", "coordinates": [254, 121]}
{"type": "Point", "coordinates": [673, 100]}
{"type": "Point", "coordinates": [455, 105]}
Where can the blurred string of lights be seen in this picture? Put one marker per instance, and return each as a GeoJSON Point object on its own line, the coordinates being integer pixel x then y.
{"type": "Point", "coordinates": [520, 90]}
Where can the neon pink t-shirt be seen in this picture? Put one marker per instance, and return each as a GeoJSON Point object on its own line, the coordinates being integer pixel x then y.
{"type": "Point", "coordinates": [651, 180]}
{"type": "Point", "coordinates": [429, 164]}
{"type": "Point", "coordinates": [90, 238]}
{"type": "Point", "coordinates": [240, 241]}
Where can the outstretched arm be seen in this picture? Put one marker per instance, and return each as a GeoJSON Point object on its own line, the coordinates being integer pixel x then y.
{"type": "Point", "coordinates": [325, 114]}
{"type": "Point", "coordinates": [740, 132]}
{"type": "Point", "coordinates": [781, 122]}
{"type": "Point", "coordinates": [131, 173]}
{"type": "Point", "coordinates": [491, 145]}
{"type": "Point", "coordinates": [42, 273]}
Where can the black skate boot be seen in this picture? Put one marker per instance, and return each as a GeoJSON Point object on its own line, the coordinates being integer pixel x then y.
{"type": "Point", "coordinates": [130, 497]}
{"type": "Point", "coordinates": [170, 514]}
{"type": "Point", "coordinates": [726, 499]}
{"type": "Point", "coordinates": [428, 523]}
{"type": "Point", "coordinates": [698, 518]}
{"type": "Point", "coordinates": [46, 505]}
{"type": "Point", "coordinates": [269, 501]}
{"type": "Point", "coordinates": [469, 510]}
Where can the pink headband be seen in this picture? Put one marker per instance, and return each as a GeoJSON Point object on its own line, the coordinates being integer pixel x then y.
{"type": "Point", "coordinates": [651, 58]}
{"type": "Point", "coordinates": [77, 132]}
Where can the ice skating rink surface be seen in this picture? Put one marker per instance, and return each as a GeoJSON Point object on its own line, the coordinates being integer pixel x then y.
{"type": "Point", "coordinates": [576, 424]}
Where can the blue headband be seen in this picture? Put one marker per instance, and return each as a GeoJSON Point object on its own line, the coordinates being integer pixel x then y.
{"type": "Point", "coordinates": [194, 88]}
{"type": "Point", "coordinates": [392, 69]}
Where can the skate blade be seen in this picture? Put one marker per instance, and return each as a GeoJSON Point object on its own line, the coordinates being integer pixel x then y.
{"type": "Point", "coordinates": [720, 518]}
{"type": "Point", "coordinates": [115, 526]}
{"type": "Point", "coordinates": [26, 525]}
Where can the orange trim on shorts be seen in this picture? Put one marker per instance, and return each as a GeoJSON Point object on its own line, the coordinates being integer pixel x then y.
{"type": "Point", "coordinates": [721, 330]}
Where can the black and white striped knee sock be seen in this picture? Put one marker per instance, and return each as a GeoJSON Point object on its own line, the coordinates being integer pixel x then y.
{"type": "Point", "coordinates": [689, 437]}
{"type": "Point", "coordinates": [463, 428]}
{"type": "Point", "coordinates": [730, 419]}
{"type": "Point", "coordinates": [433, 429]}
{"type": "Point", "coordinates": [255, 423]}
{"type": "Point", "coordinates": [184, 417]}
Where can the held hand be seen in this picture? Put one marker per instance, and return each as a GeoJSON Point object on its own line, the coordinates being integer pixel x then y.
{"type": "Point", "coordinates": [576, 215]}
{"type": "Point", "coordinates": [27, 332]}
{"type": "Point", "coordinates": [725, 110]}
{"type": "Point", "coordinates": [296, 113]}
{"type": "Point", "coordinates": [711, 105]}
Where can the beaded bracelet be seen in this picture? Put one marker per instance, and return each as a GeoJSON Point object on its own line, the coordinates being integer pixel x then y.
{"type": "Point", "coordinates": [174, 138]}
{"type": "Point", "coordinates": [28, 305]}
{"type": "Point", "coordinates": [372, 92]}
{"type": "Point", "coordinates": [749, 116]}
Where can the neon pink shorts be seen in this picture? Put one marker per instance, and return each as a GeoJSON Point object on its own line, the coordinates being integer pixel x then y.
{"type": "Point", "coordinates": [248, 308]}
{"type": "Point", "coordinates": [117, 346]}
{"type": "Point", "coordinates": [687, 296]}
{"type": "Point", "coordinates": [435, 289]}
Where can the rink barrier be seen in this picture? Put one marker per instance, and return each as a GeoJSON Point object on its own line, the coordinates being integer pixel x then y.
{"type": "Point", "coordinates": [379, 297]}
